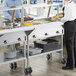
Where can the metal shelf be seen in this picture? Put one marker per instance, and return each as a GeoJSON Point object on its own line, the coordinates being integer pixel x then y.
{"type": "Point", "coordinates": [47, 52]}
{"type": "Point", "coordinates": [18, 58]}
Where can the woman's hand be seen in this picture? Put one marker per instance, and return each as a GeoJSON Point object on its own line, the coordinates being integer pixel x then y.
{"type": "Point", "coordinates": [57, 14]}
{"type": "Point", "coordinates": [59, 19]}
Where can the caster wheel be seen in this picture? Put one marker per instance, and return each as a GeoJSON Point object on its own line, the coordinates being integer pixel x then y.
{"type": "Point", "coordinates": [48, 57]}
{"type": "Point", "coordinates": [28, 70]}
{"type": "Point", "coordinates": [63, 61]}
{"type": "Point", "coordinates": [15, 65]}
{"type": "Point", "coordinates": [11, 66]}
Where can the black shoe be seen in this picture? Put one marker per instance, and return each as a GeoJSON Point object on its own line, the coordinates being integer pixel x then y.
{"type": "Point", "coordinates": [67, 68]}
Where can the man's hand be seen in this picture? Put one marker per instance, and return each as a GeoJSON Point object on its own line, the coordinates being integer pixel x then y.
{"type": "Point", "coordinates": [27, 17]}
{"type": "Point", "coordinates": [14, 19]}
{"type": "Point", "coordinates": [13, 7]}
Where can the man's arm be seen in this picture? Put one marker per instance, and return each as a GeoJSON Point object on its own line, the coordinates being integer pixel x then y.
{"type": "Point", "coordinates": [6, 13]}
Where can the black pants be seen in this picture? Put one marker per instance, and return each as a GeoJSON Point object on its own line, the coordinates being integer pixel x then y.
{"type": "Point", "coordinates": [70, 39]}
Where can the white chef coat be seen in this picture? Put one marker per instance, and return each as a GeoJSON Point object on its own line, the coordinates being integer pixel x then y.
{"type": "Point", "coordinates": [69, 12]}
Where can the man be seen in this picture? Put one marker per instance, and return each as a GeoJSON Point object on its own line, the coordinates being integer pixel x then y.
{"type": "Point", "coordinates": [69, 20]}
{"type": "Point", "coordinates": [12, 3]}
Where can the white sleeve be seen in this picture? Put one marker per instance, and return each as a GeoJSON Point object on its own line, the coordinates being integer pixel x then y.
{"type": "Point", "coordinates": [67, 14]}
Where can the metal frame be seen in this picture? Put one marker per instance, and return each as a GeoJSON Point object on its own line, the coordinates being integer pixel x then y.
{"type": "Point", "coordinates": [45, 53]}
{"type": "Point", "coordinates": [26, 41]}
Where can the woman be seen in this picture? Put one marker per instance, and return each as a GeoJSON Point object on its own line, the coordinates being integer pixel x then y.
{"type": "Point", "coordinates": [69, 21]}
